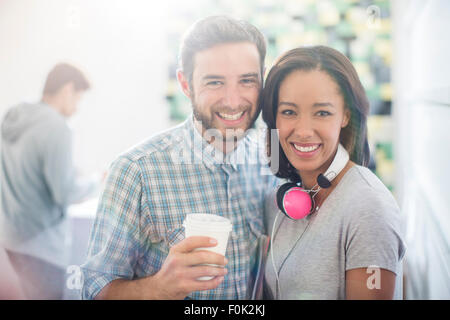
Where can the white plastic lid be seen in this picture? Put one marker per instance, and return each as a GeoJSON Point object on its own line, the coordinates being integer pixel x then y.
{"type": "Point", "coordinates": [210, 221]}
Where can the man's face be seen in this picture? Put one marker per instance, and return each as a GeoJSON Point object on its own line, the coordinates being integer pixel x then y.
{"type": "Point", "coordinates": [72, 106]}
{"type": "Point", "coordinates": [225, 86]}
{"type": "Point", "coordinates": [71, 98]}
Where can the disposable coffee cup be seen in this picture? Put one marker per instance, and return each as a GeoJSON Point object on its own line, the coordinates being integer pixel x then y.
{"type": "Point", "coordinates": [208, 225]}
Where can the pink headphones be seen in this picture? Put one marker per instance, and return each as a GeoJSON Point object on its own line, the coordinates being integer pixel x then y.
{"type": "Point", "coordinates": [296, 202]}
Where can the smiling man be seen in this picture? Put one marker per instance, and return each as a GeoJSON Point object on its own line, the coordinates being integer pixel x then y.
{"type": "Point", "coordinates": [227, 82]}
{"type": "Point", "coordinates": [137, 248]}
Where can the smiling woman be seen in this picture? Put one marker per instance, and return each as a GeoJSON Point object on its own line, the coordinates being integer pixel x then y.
{"type": "Point", "coordinates": [309, 103]}
{"type": "Point", "coordinates": [345, 88]}
{"type": "Point", "coordinates": [314, 98]}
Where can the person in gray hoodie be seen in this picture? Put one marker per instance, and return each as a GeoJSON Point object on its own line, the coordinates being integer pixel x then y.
{"type": "Point", "coordinates": [38, 181]}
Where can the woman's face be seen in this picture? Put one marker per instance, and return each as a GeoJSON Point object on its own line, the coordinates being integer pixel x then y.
{"type": "Point", "coordinates": [311, 113]}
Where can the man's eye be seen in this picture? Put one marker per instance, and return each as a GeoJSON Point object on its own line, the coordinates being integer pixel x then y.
{"type": "Point", "coordinates": [214, 83]}
{"type": "Point", "coordinates": [248, 81]}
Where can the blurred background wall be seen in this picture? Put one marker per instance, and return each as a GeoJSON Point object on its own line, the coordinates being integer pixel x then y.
{"type": "Point", "coordinates": [121, 47]}
{"type": "Point", "coordinates": [421, 113]}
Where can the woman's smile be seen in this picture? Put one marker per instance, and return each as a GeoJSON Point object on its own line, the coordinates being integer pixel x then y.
{"type": "Point", "coordinates": [305, 150]}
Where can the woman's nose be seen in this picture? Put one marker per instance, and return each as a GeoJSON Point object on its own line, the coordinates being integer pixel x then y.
{"type": "Point", "coordinates": [303, 128]}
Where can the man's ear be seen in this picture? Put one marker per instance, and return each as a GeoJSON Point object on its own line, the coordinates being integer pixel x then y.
{"type": "Point", "coordinates": [67, 88]}
{"type": "Point", "coordinates": [184, 84]}
{"type": "Point", "coordinates": [66, 91]}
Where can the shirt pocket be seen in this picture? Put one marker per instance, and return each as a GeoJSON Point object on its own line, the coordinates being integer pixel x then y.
{"type": "Point", "coordinates": [174, 235]}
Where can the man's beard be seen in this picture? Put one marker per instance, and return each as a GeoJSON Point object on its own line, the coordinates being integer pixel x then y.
{"type": "Point", "coordinates": [207, 122]}
{"type": "Point", "coordinates": [230, 134]}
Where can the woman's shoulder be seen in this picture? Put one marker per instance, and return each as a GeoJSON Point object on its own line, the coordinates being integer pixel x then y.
{"type": "Point", "coordinates": [368, 178]}
{"type": "Point", "coordinates": [362, 181]}
{"type": "Point", "coordinates": [368, 195]}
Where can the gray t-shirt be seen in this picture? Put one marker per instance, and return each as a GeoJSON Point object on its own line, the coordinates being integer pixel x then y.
{"type": "Point", "coordinates": [357, 226]}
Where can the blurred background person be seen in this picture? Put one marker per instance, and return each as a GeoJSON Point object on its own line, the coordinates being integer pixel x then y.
{"type": "Point", "coordinates": [38, 182]}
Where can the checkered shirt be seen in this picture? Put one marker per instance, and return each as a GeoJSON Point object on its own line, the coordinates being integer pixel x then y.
{"type": "Point", "coordinates": [149, 191]}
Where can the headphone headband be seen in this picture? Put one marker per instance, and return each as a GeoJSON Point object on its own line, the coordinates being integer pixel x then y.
{"type": "Point", "coordinates": [340, 160]}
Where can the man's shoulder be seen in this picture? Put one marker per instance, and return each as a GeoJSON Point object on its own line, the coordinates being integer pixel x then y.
{"type": "Point", "coordinates": [157, 146]}
{"type": "Point", "coordinates": [49, 120]}
{"type": "Point", "coordinates": [41, 122]}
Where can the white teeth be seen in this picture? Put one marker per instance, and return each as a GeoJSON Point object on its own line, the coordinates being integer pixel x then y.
{"type": "Point", "coordinates": [305, 149]}
{"type": "Point", "coordinates": [231, 117]}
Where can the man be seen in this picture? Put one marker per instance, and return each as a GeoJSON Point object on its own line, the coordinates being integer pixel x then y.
{"type": "Point", "coordinates": [38, 182]}
{"type": "Point", "coordinates": [137, 250]}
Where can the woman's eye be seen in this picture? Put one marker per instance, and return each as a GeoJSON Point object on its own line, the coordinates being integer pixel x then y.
{"type": "Point", "coordinates": [287, 112]}
{"type": "Point", "coordinates": [323, 113]}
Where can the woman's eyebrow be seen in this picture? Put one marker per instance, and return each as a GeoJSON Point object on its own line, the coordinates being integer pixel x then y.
{"type": "Point", "coordinates": [317, 104]}
{"type": "Point", "coordinates": [289, 104]}
{"type": "Point", "coordinates": [323, 104]}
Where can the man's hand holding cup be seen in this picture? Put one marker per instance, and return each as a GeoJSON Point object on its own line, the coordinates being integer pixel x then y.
{"type": "Point", "coordinates": [198, 262]}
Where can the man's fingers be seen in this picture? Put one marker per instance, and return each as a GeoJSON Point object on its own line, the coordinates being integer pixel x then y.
{"type": "Point", "coordinates": [209, 284]}
{"type": "Point", "coordinates": [206, 271]}
{"type": "Point", "coordinates": [204, 257]}
{"type": "Point", "coordinates": [191, 243]}
{"type": "Point", "coordinates": [200, 285]}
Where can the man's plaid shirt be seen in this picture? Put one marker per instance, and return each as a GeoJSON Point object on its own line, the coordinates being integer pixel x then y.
{"type": "Point", "coordinates": [149, 191]}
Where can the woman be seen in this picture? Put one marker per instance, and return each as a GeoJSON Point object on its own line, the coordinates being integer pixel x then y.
{"type": "Point", "coordinates": [10, 288]}
{"type": "Point", "coordinates": [349, 246]}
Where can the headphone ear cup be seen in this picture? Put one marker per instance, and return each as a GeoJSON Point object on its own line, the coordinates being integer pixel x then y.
{"type": "Point", "coordinates": [323, 181]}
{"type": "Point", "coordinates": [281, 192]}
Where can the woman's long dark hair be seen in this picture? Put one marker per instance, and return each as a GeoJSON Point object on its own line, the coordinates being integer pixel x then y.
{"type": "Point", "coordinates": [354, 136]}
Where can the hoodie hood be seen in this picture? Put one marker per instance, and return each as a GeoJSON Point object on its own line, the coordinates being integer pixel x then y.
{"type": "Point", "coordinates": [21, 118]}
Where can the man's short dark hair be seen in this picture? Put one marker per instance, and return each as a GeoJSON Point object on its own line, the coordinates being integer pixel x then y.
{"type": "Point", "coordinates": [215, 30]}
{"type": "Point", "coordinates": [64, 73]}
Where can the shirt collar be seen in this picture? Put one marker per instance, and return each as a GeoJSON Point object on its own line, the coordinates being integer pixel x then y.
{"type": "Point", "coordinates": [209, 155]}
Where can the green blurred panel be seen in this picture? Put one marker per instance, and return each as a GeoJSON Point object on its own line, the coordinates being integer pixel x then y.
{"type": "Point", "coordinates": [346, 25]}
